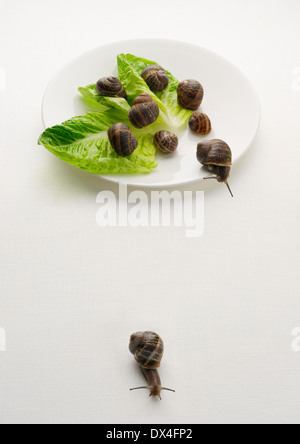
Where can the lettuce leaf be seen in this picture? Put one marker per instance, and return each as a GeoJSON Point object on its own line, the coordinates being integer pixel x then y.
{"type": "Point", "coordinates": [167, 100]}
{"type": "Point", "coordinates": [96, 102]}
{"type": "Point", "coordinates": [83, 142]}
{"type": "Point", "coordinates": [102, 103]}
{"type": "Point", "coordinates": [130, 69]}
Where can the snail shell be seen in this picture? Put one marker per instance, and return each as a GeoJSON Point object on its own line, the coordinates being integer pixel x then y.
{"type": "Point", "coordinates": [110, 87]}
{"type": "Point", "coordinates": [144, 111]}
{"type": "Point", "coordinates": [156, 78]}
{"type": "Point", "coordinates": [214, 152]}
{"type": "Point", "coordinates": [216, 155]}
{"type": "Point", "coordinates": [122, 139]}
{"type": "Point", "coordinates": [142, 98]}
{"type": "Point", "coordinates": [165, 141]}
{"type": "Point", "coordinates": [190, 94]}
{"type": "Point", "coordinates": [147, 348]}
{"type": "Point", "coordinates": [200, 123]}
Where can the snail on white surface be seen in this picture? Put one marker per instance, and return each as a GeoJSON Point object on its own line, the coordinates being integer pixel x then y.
{"type": "Point", "coordinates": [148, 348]}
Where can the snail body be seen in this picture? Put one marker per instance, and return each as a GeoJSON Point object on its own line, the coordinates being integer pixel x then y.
{"type": "Point", "coordinates": [166, 141]}
{"type": "Point", "coordinates": [144, 111]}
{"type": "Point", "coordinates": [110, 87]}
{"type": "Point", "coordinates": [200, 123]}
{"type": "Point", "coordinates": [156, 78]}
{"type": "Point", "coordinates": [122, 139]}
{"type": "Point", "coordinates": [216, 156]}
{"type": "Point", "coordinates": [190, 94]}
{"type": "Point", "coordinates": [148, 348]}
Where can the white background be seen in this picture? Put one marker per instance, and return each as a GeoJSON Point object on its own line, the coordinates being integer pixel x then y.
{"type": "Point", "coordinates": [71, 293]}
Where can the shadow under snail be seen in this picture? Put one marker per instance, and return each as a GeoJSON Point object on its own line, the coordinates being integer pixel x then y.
{"type": "Point", "coordinates": [148, 348]}
{"type": "Point", "coordinates": [200, 123]}
{"type": "Point", "coordinates": [166, 141]}
{"type": "Point", "coordinates": [122, 139]}
{"type": "Point", "coordinates": [144, 111]}
{"type": "Point", "coordinates": [110, 87]}
{"type": "Point", "coordinates": [156, 78]}
{"type": "Point", "coordinates": [190, 94]}
{"type": "Point", "coordinates": [216, 156]}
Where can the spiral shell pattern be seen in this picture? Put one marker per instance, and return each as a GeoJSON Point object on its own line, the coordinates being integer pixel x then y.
{"type": "Point", "coordinates": [166, 141]}
{"type": "Point", "coordinates": [190, 94]}
{"type": "Point", "coordinates": [122, 139]}
{"type": "Point", "coordinates": [156, 78]}
{"type": "Point", "coordinates": [214, 152]}
{"type": "Point", "coordinates": [144, 111]}
{"type": "Point", "coordinates": [200, 124]}
{"type": "Point", "coordinates": [110, 87]}
{"type": "Point", "coordinates": [149, 351]}
{"type": "Point", "coordinates": [142, 98]}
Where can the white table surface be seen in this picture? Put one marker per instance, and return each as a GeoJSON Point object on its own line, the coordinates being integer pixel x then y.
{"type": "Point", "coordinates": [226, 304]}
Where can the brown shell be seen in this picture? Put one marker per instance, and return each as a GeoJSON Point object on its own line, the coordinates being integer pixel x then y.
{"type": "Point", "coordinates": [110, 87]}
{"type": "Point", "coordinates": [190, 94]}
{"type": "Point", "coordinates": [142, 98]}
{"type": "Point", "coordinates": [147, 348]}
{"type": "Point", "coordinates": [166, 141]}
{"type": "Point", "coordinates": [122, 139]}
{"type": "Point", "coordinates": [200, 123]}
{"type": "Point", "coordinates": [214, 152]}
{"type": "Point", "coordinates": [144, 114]}
{"type": "Point", "coordinates": [156, 78]}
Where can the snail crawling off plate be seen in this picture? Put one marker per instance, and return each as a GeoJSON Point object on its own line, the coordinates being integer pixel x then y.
{"type": "Point", "coordinates": [216, 156]}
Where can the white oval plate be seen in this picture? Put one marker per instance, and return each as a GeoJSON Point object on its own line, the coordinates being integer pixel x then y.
{"type": "Point", "coordinates": [230, 101]}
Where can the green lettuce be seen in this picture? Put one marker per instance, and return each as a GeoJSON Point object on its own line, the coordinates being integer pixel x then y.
{"type": "Point", "coordinates": [130, 69]}
{"type": "Point", "coordinates": [101, 103]}
{"type": "Point", "coordinates": [121, 107]}
{"type": "Point", "coordinates": [83, 142]}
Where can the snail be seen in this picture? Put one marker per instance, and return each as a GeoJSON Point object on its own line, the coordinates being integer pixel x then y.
{"type": "Point", "coordinates": [167, 142]}
{"type": "Point", "coordinates": [142, 98]}
{"type": "Point", "coordinates": [190, 94]}
{"type": "Point", "coordinates": [148, 348]}
{"type": "Point", "coordinates": [122, 139]}
{"type": "Point", "coordinates": [216, 156]}
{"type": "Point", "coordinates": [110, 87]}
{"type": "Point", "coordinates": [144, 111]}
{"type": "Point", "coordinates": [200, 123]}
{"type": "Point", "coordinates": [156, 78]}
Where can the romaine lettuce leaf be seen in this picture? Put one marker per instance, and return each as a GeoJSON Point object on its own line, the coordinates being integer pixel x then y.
{"type": "Point", "coordinates": [131, 67]}
{"type": "Point", "coordinates": [83, 142]}
{"type": "Point", "coordinates": [96, 102]}
{"type": "Point", "coordinates": [103, 103]}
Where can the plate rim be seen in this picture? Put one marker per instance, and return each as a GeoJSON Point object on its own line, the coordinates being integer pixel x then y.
{"type": "Point", "coordinates": [113, 179]}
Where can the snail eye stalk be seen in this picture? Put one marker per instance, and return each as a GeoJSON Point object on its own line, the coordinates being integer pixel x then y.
{"type": "Point", "coordinates": [226, 183]}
